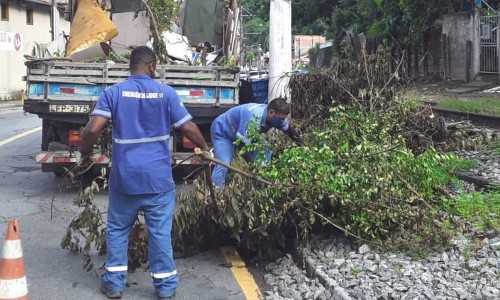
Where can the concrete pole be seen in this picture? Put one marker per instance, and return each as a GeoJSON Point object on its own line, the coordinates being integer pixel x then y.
{"type": "Point", "coordinates": [280, 48]}
{"type": "Point", "coordinates": [54, 20]}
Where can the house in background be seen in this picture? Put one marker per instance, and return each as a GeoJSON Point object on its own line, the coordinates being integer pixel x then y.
{"type": "Point", "coordinates": [302, 44]}
{"type": "Point", "coordinates": [22, 24]}
{"type": "Point", "coordinates": [300, 48]}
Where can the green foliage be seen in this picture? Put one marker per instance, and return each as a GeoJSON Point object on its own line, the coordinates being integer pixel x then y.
{"type": "Point", "coordinates": [251, 56]}
{"type": "Point", "coordinates": [88, 227]}
{"type": "Point", "coordinates": [256, 141]}
{"type": "Point", "coordinates": [117, 57]}
{"type": "Point", "coordinates": [359, 171]}
{"type": "Point", "coordinates": [41, 51]}
{"type": "Point", "coordinates": [257, 8]}
{"type": "Point", "coordinates": [256, 32]}
{"type": "Point", "coordinates": [229, 62]}
{"type": "Point", "coordinates": [481, 209]}
{"type": "Point", "coordinates": [357, 175]}
{"type": "Point", "coordinates": [489, 106]}
{"type": "Point", "coordinates": [311, 17]}
{"type": "Point", "coordinates": [394, 22]}
{"type": "Point", "coordinates": [162, 13]}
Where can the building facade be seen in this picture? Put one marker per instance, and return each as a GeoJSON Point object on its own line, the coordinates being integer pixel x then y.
{"type": "Point", "coordinates": [22, 25]}
{"type": "Point", "coordinates": [302, 44]}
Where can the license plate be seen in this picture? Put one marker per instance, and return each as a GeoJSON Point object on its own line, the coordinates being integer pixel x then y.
{"type": "Point", "coordinates": [69, 108]}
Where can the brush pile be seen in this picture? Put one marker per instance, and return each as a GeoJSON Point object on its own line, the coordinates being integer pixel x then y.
{"type": "Point", "coordinates": [372, 168]}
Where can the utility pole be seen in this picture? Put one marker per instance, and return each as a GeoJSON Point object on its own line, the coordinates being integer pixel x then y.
{"type": "Point", "coordinates": [280, 48]}
{"type": "Point", "coordinates": [54, 20]}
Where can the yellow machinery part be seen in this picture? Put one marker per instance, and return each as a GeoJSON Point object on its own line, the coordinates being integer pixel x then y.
{"type": "Point", "coordinates": [90, 25]}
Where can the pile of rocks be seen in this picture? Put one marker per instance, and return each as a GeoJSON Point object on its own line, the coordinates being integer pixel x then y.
{"type": "Point", "coordinates": [488, 164]}
{"type": "Point", "coordinates": [290, 282]}
{"type": "Point", "coordinates": [337, 269]}
{"type": "Point", "coordinates": [470, 270]}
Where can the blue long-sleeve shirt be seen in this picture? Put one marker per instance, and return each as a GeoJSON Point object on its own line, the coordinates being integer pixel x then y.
{"type": "Point", "coordinates": [233, 124]}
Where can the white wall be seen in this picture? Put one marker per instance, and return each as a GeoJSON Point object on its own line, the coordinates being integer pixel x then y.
{"type": "Point", "coordinates": [460, 28]}
{"type": "Point", "coordinates": [12, 62]}
{"type": "Point", "coordinates": [133, 30]}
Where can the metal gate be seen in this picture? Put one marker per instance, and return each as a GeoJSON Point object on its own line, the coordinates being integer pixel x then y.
{"type": "Point", "coordinates": [488, 26]}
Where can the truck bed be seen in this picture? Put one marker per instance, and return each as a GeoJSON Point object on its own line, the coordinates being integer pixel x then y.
{"type": "Point", "coordinates": [49, 80]}
{"type": "Point", "coordinates": [64, 93]}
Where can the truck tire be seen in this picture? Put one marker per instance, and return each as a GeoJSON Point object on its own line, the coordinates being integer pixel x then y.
{"type": "Point", "coordinates": [46, 134]}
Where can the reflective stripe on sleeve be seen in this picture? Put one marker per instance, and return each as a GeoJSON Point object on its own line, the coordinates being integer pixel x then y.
{"type": "Point", "coordinates": [163, 275]}
{"type": "Point", "coordinates": [117, 269]}
{"type": "Point", "coordinates": [142, 140]}
{"type": "Point", "coordinates": [182, 121]}
{"type": "Point", "coordinates": [102, 113]}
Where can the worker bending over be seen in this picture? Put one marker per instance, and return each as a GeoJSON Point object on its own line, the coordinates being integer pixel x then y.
{"type": "Point", "coordinates": [233, 125]}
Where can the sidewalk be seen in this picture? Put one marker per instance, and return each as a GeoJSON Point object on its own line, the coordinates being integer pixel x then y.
{"type": "Point", "coordinates": [10, 104]}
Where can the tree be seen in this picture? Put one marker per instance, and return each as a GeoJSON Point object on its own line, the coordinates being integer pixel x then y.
{"type": "Point", "coordinates": [312, 17]}
{"type": "Point", "coordinates": [256, 32]}
{"type": "Point", "coordinates": [400, 23]}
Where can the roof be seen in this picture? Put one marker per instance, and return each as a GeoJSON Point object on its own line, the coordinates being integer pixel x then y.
{"type": "Point", "coordinates": [61, 4]}
{"type": "Point", "coordinates": [47, 2]}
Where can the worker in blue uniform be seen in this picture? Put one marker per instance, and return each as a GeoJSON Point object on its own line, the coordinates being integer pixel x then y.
{"type": "Point", "coordinates": [233, 125]}
{"type": "Point", "coordinates": [142, 111]}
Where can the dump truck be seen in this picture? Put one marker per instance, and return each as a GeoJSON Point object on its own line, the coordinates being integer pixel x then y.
{"type": "Point", "coordinates": [63, 93]}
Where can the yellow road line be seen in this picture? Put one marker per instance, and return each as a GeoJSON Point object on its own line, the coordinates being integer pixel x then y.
{"type": "Point", "coordinates": [241, 273]}
{"type": "Point", "coordinates": [23, 134]}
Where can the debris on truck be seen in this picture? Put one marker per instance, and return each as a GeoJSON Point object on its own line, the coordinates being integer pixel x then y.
{"type": "Point", "coordinates": [63, 93]}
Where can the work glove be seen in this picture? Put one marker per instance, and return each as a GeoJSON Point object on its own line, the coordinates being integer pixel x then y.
{"type": "Point", "coordinates": [209, 152]}
{"type": "Point", "coordinates": [295, 136]}
{"type": "Point", "coordinates": [298, 140]}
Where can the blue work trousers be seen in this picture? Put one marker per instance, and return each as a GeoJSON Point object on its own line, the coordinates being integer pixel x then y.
{"type": "Point", "coordinates": [224, 151]}
{"type": "Point", "coordinates": [158, 212]}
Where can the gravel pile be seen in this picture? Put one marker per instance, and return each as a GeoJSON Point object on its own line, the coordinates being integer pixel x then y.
{"type": "Point", "coordinates": [470, 270]}
{"type": "Point", "coordinates": [291, 282]}
{"type": "Point", "coordinates": [488, 167]}
{"type": "Point", "coordinates": [339, 270]}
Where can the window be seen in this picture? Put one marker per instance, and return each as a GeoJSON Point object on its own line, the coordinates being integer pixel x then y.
{"type": "Point", "coordinates": [29, 16]}
{"type": "Point", "coordinates": [5, 11]}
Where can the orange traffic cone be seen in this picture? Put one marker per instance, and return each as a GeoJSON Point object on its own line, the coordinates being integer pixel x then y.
{"type": "Point", "coordinates": [12, 273]}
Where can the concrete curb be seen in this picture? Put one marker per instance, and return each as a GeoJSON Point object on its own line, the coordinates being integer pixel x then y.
{"type": "Point", "coordinates": [313, 271]}
{"type": "Point", "coordinates": [10, 105]}
{"type": "Point", "coordinates": [316, 272]}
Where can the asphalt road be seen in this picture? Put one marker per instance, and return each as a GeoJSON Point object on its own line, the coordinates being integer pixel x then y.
{"type": "Point", "coordinates": [44, 213]}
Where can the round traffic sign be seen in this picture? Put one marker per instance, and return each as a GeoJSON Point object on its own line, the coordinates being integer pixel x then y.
{"type": "Point", "coordinates": [17, 41]}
